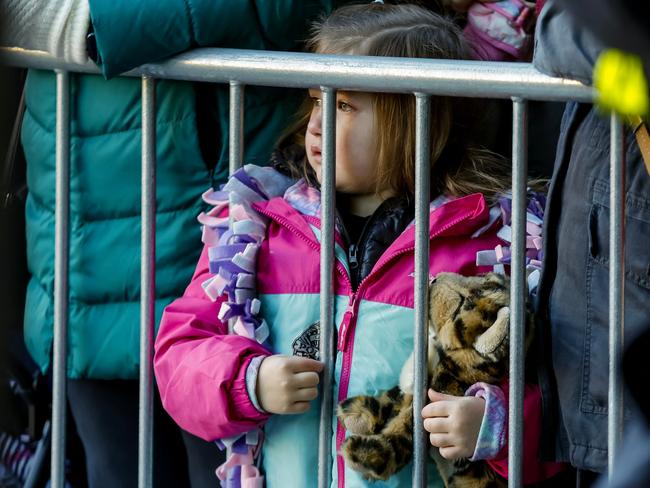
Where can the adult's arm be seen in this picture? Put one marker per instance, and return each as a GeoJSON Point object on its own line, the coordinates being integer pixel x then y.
{"type": "Point", "coordinates": [562, 47]}
{"type": "Point", "coordinates": [129, 33]}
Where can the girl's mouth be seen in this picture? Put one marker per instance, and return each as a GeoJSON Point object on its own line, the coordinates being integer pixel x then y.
{"type": "Point", "coordinates": [315, 152]}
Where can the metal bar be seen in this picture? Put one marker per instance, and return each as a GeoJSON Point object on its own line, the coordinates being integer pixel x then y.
{"type": "Point", "coordinates": [518, 291]}
{"type": "Point", "coordinates": [236, 130]}
{"type": "Point", "coordinates": [328, 206]}
{"type": "Point", "coordinates": [147, 283]}
{"type": "Point", "coordinates": [61, 268]}
{"type": "Point", "coordinates": [302, 70]}
{"type": "Point", "coordinates": [421, 298]}
{"type": "Point", "coordinates": [616, 289]}
{"type": "Point", "coordinates": [235, 161]}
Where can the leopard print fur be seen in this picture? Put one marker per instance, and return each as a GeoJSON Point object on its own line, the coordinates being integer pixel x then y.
{"type": "Point", "coordinates": [468, 343]}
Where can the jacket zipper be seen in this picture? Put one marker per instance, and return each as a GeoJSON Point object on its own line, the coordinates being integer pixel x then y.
{"type": "Point", "coordinates": [352, 256]}
{"type": "Point", "coordinates": [350, 315]}
{"type": "Point", "coordinates": [349, 318]}
{"type": "Point", "coordinates": [355, 247]}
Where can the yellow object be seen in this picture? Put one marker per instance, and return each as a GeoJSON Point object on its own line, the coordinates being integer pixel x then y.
{"type": "Point", "coordinates": [621, 83]}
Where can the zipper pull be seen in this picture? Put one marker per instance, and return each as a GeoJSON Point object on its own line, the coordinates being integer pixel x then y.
{"type": "Point", "coordinates": [348, 318]}
{"type": "Point", "coordinates": [352, 256]}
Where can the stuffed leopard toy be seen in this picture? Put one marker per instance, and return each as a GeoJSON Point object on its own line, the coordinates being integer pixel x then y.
{"type": "Point", "coordinates": [468, 343]}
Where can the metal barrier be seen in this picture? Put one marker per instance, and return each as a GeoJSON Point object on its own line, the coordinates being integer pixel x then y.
{"type": "Point", "coordinates": [61, 262]}
{"type": "Point", "coordinates": [422, 77]}
{"type": "Point", "coordinates": [147, 282]}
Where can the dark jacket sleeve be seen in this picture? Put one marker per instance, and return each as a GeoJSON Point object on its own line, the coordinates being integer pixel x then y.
{"type": "Point", "coordinates": [563, 47]}
{"type": "Point", "coordinates": [129, 33]}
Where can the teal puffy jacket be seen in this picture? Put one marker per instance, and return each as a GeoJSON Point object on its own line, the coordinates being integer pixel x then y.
{"type": "Point", "coordinates": [104, 312]}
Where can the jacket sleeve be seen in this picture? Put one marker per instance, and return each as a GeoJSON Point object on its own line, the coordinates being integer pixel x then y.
{"type": "Point", "coordinates": [535, 471]}
{"type": "Point", "coordinates": [562, 47]}
{"type": "Point", "coordinates": [129, 33]}
{"type": "Point", "coordinates": [201, 369]}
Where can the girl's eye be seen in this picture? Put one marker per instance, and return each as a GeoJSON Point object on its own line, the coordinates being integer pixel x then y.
{"type": "Point", "coordinates": [316, 101]}
{"type": "Point", "coordinates": [344, 106]}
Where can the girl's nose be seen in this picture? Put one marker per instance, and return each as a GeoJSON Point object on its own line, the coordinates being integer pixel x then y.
{"type": "Point", "coordinates": [314, 126]}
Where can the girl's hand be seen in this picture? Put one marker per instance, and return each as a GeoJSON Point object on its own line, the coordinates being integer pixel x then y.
{"type": "Point", "coordinates": [286, 384]}
{"type": "Point", "coordinates": [453, 423]}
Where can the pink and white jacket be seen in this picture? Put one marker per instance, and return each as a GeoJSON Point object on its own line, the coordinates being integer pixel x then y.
{"type": "Point", "coordinates": [201, 369]}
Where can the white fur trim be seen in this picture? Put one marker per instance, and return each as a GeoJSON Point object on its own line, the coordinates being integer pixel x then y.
{"type": "Point", "coordinates": [76, 30]}
{"type": "Point", "coordinates": [58, 27]}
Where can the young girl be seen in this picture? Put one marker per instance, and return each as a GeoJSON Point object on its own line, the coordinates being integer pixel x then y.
{"type": "Point", "coordinates": [260, 268]}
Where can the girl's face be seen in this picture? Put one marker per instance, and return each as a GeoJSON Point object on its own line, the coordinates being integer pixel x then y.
{"type": "Point", "coordinates": [356, 148]}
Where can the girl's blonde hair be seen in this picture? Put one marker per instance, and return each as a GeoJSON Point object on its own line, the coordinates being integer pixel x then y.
{"type": "Point", "coordinates": [458, 166]}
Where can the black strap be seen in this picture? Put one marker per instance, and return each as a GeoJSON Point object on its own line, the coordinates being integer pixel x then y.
{"type": "Point", "coordinates": [11, 188]}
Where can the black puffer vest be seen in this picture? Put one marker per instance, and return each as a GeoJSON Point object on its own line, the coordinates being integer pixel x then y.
{"type": "Point", "coordinates": [380, 231]}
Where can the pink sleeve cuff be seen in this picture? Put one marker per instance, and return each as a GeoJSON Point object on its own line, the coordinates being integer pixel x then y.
{"type": "Point", "coordinates": [535, 470]}
{"type": "Point", "coordinates": [251, 381]}
{"type": "Point", "coordinates": [493, 434]}
{"type": "Point", "coordinates": [241, 400]}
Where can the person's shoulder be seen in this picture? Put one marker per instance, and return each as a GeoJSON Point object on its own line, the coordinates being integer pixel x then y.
{"type": "Point", "coordinates": [563, 47]}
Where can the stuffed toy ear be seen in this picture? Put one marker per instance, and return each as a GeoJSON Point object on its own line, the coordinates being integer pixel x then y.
{"type": "Point", "coordinates": [491, 339]}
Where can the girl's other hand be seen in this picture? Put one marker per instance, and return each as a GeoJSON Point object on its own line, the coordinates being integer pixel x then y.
{"type": "Point", "coordinates": [286, 384]}
{"type": "Point", "coordinates": [453, 423]}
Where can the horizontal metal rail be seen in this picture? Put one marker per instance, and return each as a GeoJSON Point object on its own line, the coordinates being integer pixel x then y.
{"type": "Point", "coordinates": [300, 70]}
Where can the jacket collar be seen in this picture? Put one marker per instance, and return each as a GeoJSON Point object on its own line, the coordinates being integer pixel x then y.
{"type": "Point", "coordinates": [458, 217]}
